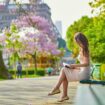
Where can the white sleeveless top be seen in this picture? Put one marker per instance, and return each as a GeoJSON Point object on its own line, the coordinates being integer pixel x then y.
{"type": "Point", "coordinates": [84, 71]}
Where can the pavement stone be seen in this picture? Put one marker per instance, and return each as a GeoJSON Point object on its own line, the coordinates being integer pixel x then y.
{"type": "Point", "coordinates": [33, 91]}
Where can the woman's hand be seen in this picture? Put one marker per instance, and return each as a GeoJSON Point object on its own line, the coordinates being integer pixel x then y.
{"type": "Point", "coordinates": [72, 66]}
{"type": "Point", "coordinates": [67, 66]}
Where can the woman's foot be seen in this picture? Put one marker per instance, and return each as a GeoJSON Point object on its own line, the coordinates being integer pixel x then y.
{"type": "Point", "coordinates": [55, 91]}
{"type": "Point", "coordinates": [63, 99]}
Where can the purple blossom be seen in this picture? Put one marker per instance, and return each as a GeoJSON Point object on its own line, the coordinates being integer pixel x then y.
{"type": "Point", "coordinates": [41, 41]}
{"type": "Point", "coordinates": [33, 21]}
{"type": "Point", "coordinates": [2, 39]}
{"type": "Point", "coordinates": [55, 52]}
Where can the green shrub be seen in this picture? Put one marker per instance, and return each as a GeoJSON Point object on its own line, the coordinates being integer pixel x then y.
{"type": "Point", "coordinates": [41, 72]}
{"type": "Point", "coordinates": [30, 71]}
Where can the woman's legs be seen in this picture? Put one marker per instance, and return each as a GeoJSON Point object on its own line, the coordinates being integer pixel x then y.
{"type": "Point", "coordinates": [65, 88]}
{"type": "Point", "coordinates": [62, 78]}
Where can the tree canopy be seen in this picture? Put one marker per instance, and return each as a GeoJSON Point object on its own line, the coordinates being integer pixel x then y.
{"type": "Point", "coordinates": [93, 28]}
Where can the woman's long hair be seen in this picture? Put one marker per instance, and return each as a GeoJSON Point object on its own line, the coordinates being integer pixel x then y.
{"type": "Point", "coordinates": [81, 39]}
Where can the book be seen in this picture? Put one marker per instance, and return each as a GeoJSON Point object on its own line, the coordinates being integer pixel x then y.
{"type": "Point", "coordinates": [66, 65]}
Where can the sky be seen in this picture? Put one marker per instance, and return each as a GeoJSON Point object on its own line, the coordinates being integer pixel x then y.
{"type": "Point", "coordinates": [68, 11]}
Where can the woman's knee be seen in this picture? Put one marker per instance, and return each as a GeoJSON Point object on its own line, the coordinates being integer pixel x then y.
{"type": "Point", "coordinates": [63, 73]}
{"type": "Point", "coordinates": [63, 69]}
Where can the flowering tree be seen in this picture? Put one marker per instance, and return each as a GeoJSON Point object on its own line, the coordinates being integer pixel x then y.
{"type": "Point", "coordinates": [38, 23]}
{"type": "Point", "coordinates": [38, 37]}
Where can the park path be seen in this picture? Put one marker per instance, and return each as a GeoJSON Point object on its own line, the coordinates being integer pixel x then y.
{"type": "Point", "coordinates": [32, 92]}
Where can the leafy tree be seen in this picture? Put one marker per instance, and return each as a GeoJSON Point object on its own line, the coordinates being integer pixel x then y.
{"type": "Point", "coordinates": [93, 28]}
{"type": "Point", "coordinates": [98, 6]}
{"type": "Point", "coordinates": [77, 26]}
{"type": "Point", "coordinates": [13, 45]}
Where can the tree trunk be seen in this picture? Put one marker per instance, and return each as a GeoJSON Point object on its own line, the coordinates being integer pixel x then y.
{"type": "Point", "coordinates": [3, 70]}
{"type": "Point", "coordinates": [35, 62]}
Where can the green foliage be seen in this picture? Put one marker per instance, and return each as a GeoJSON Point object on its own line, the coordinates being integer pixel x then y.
{"type": "Point", "coordinates": [14, 57]}
{"type": "Point", "coordinates": [93, 28]}
{"type": "Point", "coordinates": [13, 28]}
{"type": "Point", "coordinates": [1, 47]}
{"type": "Point", "coordinates": [13, 42]}
{"type": "Point", "coordinates": [98, 6]}
{"type": "Point", "coordinates": [77, 26]}
{"type": "Point", "coordinates": [97, 3]}
{"type": "Point", "coordinates": [30, 72]}
{"type": "Point", "coordinates": [40, 71]}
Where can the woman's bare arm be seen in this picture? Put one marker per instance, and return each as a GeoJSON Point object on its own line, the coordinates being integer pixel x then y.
{"type": "Point", "coordinates": [84, 64]}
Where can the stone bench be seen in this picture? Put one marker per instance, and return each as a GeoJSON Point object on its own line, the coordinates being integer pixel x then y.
{"type": "Point", "coordinates": [90, 92]}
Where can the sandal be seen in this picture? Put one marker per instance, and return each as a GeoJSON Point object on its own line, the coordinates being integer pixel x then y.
{"type": "Point", "coordinates": [57, 91]}
{"type": "Point", "coordinates": [63, 99]}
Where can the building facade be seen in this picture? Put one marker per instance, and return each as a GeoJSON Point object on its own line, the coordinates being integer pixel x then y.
{"type": "Point", "coordinates": [58, 24]}
{"type": "Point", "coordinates": [10, 11]}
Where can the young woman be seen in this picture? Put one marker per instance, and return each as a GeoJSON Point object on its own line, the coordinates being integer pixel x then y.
{"type": "Point", "coordinates": [75, 72]}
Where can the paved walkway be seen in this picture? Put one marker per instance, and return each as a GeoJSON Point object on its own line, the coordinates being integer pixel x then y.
{"type": "Point", "coordinates": [32, 92]}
